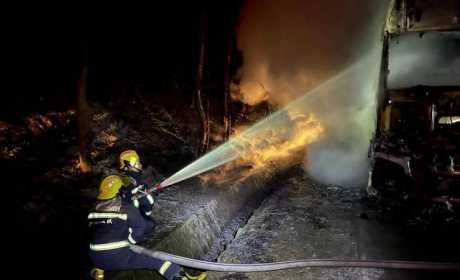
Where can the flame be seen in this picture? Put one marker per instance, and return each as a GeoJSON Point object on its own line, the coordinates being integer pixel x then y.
{"type": "Point", "coordinates": [283, 145]}
{"type": "Point", "coordinates": [83, 165]}
{"type": "Point", "coordinates": [273, 149]}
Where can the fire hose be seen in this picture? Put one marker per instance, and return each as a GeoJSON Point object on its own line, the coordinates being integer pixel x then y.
{"type": "Point", "coordinates": [303, 263]}
{"type": "Point", "coordinates": [152, 190]}
{"type": "Point", "coordinates": [261, 267]}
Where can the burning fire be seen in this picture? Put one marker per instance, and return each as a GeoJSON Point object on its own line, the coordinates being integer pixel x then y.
{"type": "Point", "coordinates": [272, 149]}
{"type": "Point", "coordinates": [281, 145]}
{"type": "Point", "coordinates": [83, 165]}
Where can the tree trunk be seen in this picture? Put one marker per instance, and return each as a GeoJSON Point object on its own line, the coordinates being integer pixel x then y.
{"type": "Point", "coordinates": [83, 120]}
{"type": "Point", "coordinates": [202, 112]}
{"type": "Point", "coordinates": [227, 99]}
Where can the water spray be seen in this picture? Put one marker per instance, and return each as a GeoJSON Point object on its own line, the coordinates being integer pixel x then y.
{"type": "Point", "coordinates": [237, 146]}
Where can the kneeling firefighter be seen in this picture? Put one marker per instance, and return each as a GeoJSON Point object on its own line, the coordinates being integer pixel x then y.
{"type": "Point", "coordinates": [118, 221]}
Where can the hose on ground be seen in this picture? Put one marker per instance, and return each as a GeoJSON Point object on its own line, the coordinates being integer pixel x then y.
{"type": "Point", "coordinates": [260, 267]}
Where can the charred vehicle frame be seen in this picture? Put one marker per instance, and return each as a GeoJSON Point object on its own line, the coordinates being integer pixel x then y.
{"type": "Point", "coordinates": [415, 153]}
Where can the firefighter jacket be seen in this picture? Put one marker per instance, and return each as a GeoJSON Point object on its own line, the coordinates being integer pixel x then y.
{"type": "Point", "coordinates": [115, 224]}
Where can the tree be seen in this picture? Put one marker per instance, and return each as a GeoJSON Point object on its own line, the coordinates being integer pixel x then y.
{"type": "Point", "coordinates": [83, 116]}
{"type": "Point", "coordinates": [203, 112]}
{"type": "Point", "coordinates": [227, 98]}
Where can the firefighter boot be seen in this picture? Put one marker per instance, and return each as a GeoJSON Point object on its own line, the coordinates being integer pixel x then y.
{"type": "Point", "coordinates": [183, 275]}
{"type": "Point", "coordinates": [97, 274]}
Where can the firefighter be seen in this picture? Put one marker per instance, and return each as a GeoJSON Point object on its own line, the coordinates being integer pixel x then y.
{"type": "Point", "coordinates": [131, 168]}
{"type": "Point", "coordinates": [114, 224]}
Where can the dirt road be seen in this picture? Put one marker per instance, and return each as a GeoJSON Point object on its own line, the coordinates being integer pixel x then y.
{"type": "Point", "coordinates": [303, 219]}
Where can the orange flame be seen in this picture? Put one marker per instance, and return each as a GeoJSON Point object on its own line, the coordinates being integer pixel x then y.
{"type": "Point", "coordinates": [83, 165]}
{"type": "Point", "coordinates": [274, 149]}
{"type": "Point", "coordinates": [280, 146]}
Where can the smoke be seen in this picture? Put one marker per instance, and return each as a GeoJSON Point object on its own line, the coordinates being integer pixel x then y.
{"type": "Point", "coordinates": [291, 47]}
{"type": "Point", "coordinates": [424, 59]}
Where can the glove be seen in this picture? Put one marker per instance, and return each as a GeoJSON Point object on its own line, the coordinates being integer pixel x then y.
{"type": "Point", "coordinates": [126, 193]}
{"type": "Point", "coordinates": [144, 203]}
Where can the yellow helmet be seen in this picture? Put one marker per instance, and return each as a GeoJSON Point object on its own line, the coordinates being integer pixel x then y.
{"type": "Point", "coordinates": [109, 187]}
{"type": "Point", "coordinates": [132, 158]}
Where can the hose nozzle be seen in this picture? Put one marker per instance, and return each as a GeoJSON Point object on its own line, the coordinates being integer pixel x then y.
{"type": "Point", "coordinates": [158, 187]}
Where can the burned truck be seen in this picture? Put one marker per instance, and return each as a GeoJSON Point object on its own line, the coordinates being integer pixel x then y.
{"type": "Point", "coordinates": [415, 154]}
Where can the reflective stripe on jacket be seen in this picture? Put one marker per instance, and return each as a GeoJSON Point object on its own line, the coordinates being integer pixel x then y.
{"type": "Point", "coordinates": [114, 230]}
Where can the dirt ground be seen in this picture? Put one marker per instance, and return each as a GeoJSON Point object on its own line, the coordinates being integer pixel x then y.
{"type": "Point", "coordinates": [304, 219]}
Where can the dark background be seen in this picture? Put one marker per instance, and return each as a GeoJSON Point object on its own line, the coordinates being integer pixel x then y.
{"type": "Point", "coordinates": [155, 45]}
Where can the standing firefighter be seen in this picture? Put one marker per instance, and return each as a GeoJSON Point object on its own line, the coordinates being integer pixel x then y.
{"type": "Point", "coordinates": [116, 222]}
